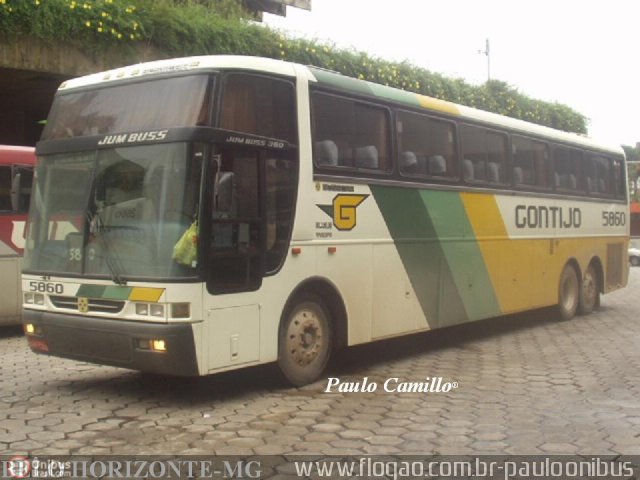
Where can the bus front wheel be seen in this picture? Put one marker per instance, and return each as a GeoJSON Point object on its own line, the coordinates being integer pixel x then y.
{"type": "Point", "coordinates": [305, 340]}
{"type": "Point", "coordinates": [589, 293]}
{"type": "Point", "coordinates": [568, 293]}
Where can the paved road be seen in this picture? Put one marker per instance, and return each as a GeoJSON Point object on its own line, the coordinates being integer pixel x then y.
{"type": "Point", "coordinates": [526, 385]}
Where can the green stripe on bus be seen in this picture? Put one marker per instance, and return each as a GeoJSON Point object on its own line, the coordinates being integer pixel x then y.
{"type": "Point", "coordinates": [399, 96]}
{"type": "Point", "coordinates": [91, 291]}
{"type": "Point", "coordinates": [116, 293]}
{"type": "Point", "coordinates": [422, 254]}
{"type": "Point", "coordinates": [440, 253]}
{"type": "Point", "coordinates": [463, 254]}
{"type": "Point", "coordinates": [340, 81]}
{"type": "Point", "coordinates": [104, 292]}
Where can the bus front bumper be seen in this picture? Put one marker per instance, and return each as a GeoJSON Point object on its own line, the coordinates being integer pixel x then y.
{"type": "Point", "coordinates": [150, 347]}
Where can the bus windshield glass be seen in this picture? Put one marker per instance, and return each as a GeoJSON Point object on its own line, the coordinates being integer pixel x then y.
{"type": "Point", "coordinates": [162, 103]}
{"type": "Point", "coordinates": [117, 212]}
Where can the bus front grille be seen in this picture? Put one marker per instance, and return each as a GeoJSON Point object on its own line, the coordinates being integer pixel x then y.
{"type": "Point", "coordinates": [95, 304]}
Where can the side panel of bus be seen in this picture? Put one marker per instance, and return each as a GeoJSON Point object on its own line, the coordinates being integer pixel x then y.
{"type": "Point", "coordinates": [16, 174]}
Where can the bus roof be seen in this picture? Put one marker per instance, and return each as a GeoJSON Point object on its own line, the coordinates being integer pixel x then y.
{"type": "Point", "coordinates": [334, 81]}
{"type": "Point", "coordinates": [182, 66]}
{"type": "Point", "coordinates": [11, 154]}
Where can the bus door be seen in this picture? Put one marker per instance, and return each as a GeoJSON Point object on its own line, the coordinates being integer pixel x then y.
{"type": "Point", "coordinates": [236, 257]}
{"type": "Point", "coordinates": [252, 209]}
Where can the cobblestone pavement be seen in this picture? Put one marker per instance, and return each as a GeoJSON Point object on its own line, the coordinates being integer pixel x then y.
{"type": "Point", "coordinates": [526, 384]}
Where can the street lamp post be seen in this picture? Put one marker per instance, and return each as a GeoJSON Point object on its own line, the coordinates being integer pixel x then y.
{"type": "Point", "coordinates": [487, 52]}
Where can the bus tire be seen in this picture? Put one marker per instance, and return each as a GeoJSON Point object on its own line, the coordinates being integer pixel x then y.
{"type": "Point", "coordinates": [589, 292]}
{"type": "Point", "coordinates": [305, 340]}
{"type": "Point", "coordinates": [568, 293]}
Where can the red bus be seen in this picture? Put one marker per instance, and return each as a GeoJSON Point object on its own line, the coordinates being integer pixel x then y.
{"type": "Point", "coordinates": [16, 177]}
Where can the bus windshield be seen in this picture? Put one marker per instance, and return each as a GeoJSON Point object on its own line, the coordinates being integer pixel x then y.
{"type": "Point", "coordinates": [161, 103]}
{"type": "Point", "coordinates": [116, 212]}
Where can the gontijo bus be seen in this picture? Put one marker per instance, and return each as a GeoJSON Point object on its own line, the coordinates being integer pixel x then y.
{"type": "Point", "coordinates": [222, 211]}
{"type": "Point", "coordinates": [16, 176]}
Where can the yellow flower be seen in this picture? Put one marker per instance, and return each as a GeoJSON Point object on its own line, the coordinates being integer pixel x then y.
{"type": "Point", "coordinates": [87, 23]}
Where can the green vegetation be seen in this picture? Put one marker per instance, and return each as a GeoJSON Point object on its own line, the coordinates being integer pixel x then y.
{"type": "Point", "coordinates": [197, 27]}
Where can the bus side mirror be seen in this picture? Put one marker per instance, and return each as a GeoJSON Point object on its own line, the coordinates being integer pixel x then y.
{"type": "Point", "coordinates": [224, 195]}
{"type": "Point", "coordinates": [15, 192]}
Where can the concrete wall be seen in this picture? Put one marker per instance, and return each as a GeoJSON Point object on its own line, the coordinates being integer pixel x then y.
{"type": "Point", "coordinates": [31, 70]}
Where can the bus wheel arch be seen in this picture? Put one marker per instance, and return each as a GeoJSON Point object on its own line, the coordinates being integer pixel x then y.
{"type": "Point", "coordinates": [569, 290]}
{"type": "Point", "coordinates": [312, 324]}
{"type": "Point", "coordinates": [591, 287]}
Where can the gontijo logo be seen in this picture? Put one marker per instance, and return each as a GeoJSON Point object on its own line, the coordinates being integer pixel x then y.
{"type": "Point", "coordinates": [343, 210]}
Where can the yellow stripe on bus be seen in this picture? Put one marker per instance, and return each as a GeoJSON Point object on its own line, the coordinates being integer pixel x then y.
{"type": "Point", "coordinates": [508, 261]}
{"type": "Point", "coordinates": [439, 105]}
{"type": "Point", "coordinates": [146, 294]}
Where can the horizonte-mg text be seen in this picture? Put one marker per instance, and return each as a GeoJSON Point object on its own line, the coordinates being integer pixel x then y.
{"type": "Point", "coordinates": [390, 385]}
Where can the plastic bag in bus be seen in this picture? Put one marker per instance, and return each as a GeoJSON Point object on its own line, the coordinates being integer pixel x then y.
{"type": "Point", "coordinates": [185, 251]}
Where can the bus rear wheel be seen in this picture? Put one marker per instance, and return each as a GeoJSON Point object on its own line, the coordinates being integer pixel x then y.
{"type": "Point", "coordinates": [568, 293]}
{"type": "Point", "coordinates": [589, 293]}
{"type": "Point", "coordinates": [305, 340]}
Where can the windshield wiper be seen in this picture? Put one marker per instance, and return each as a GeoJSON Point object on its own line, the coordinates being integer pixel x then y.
{"type": "Point", "coordinates": [96, 228]}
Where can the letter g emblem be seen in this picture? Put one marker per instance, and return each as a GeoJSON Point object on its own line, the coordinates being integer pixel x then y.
{"type": "Point", "coordinates": [344, 210]}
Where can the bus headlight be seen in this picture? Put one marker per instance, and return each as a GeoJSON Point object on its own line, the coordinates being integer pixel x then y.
{"type": "Point", "coordinates": [158, 345]}
{"type": "Point", "coordinates": [180, 310]}
{"type": "Point", "coordinates": [161, 310]}
{"type": "Point", "coordinates": [142, 309]}
{"type": "Point", "coordinates": [34, 299]}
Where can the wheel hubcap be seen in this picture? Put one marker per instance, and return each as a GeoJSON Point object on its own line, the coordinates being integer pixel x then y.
{"type": "Point", "coordinates": [304, 337]}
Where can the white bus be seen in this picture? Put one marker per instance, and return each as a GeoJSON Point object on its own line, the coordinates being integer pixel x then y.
{"type": "Point", "coordinates": [203, 214]}
{"type": "Point", "coordinates": [16, 176]}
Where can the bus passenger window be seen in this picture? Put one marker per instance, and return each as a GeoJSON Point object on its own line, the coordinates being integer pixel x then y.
{"type": "Point", "coordinates": [618, 178]}
{"type": "Point", "coordinates": [426, 146]}
{"type": "Point", "coordinates": [5, 188]}
{"type": "Point", "coordinates": [531, 162]}
{"type": "Point", "coordinates": [598, 174]}
{"type": "Point", "coordinates": [350, 134]}
{"type": "Point", "coordinates": [484, 154]}
{"type": "Point", "coordinates": [259, 105]}
{"type": "Point", "coordinates": [25, 182]}
{"type": "Point", "coordinates": [567, 173]}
